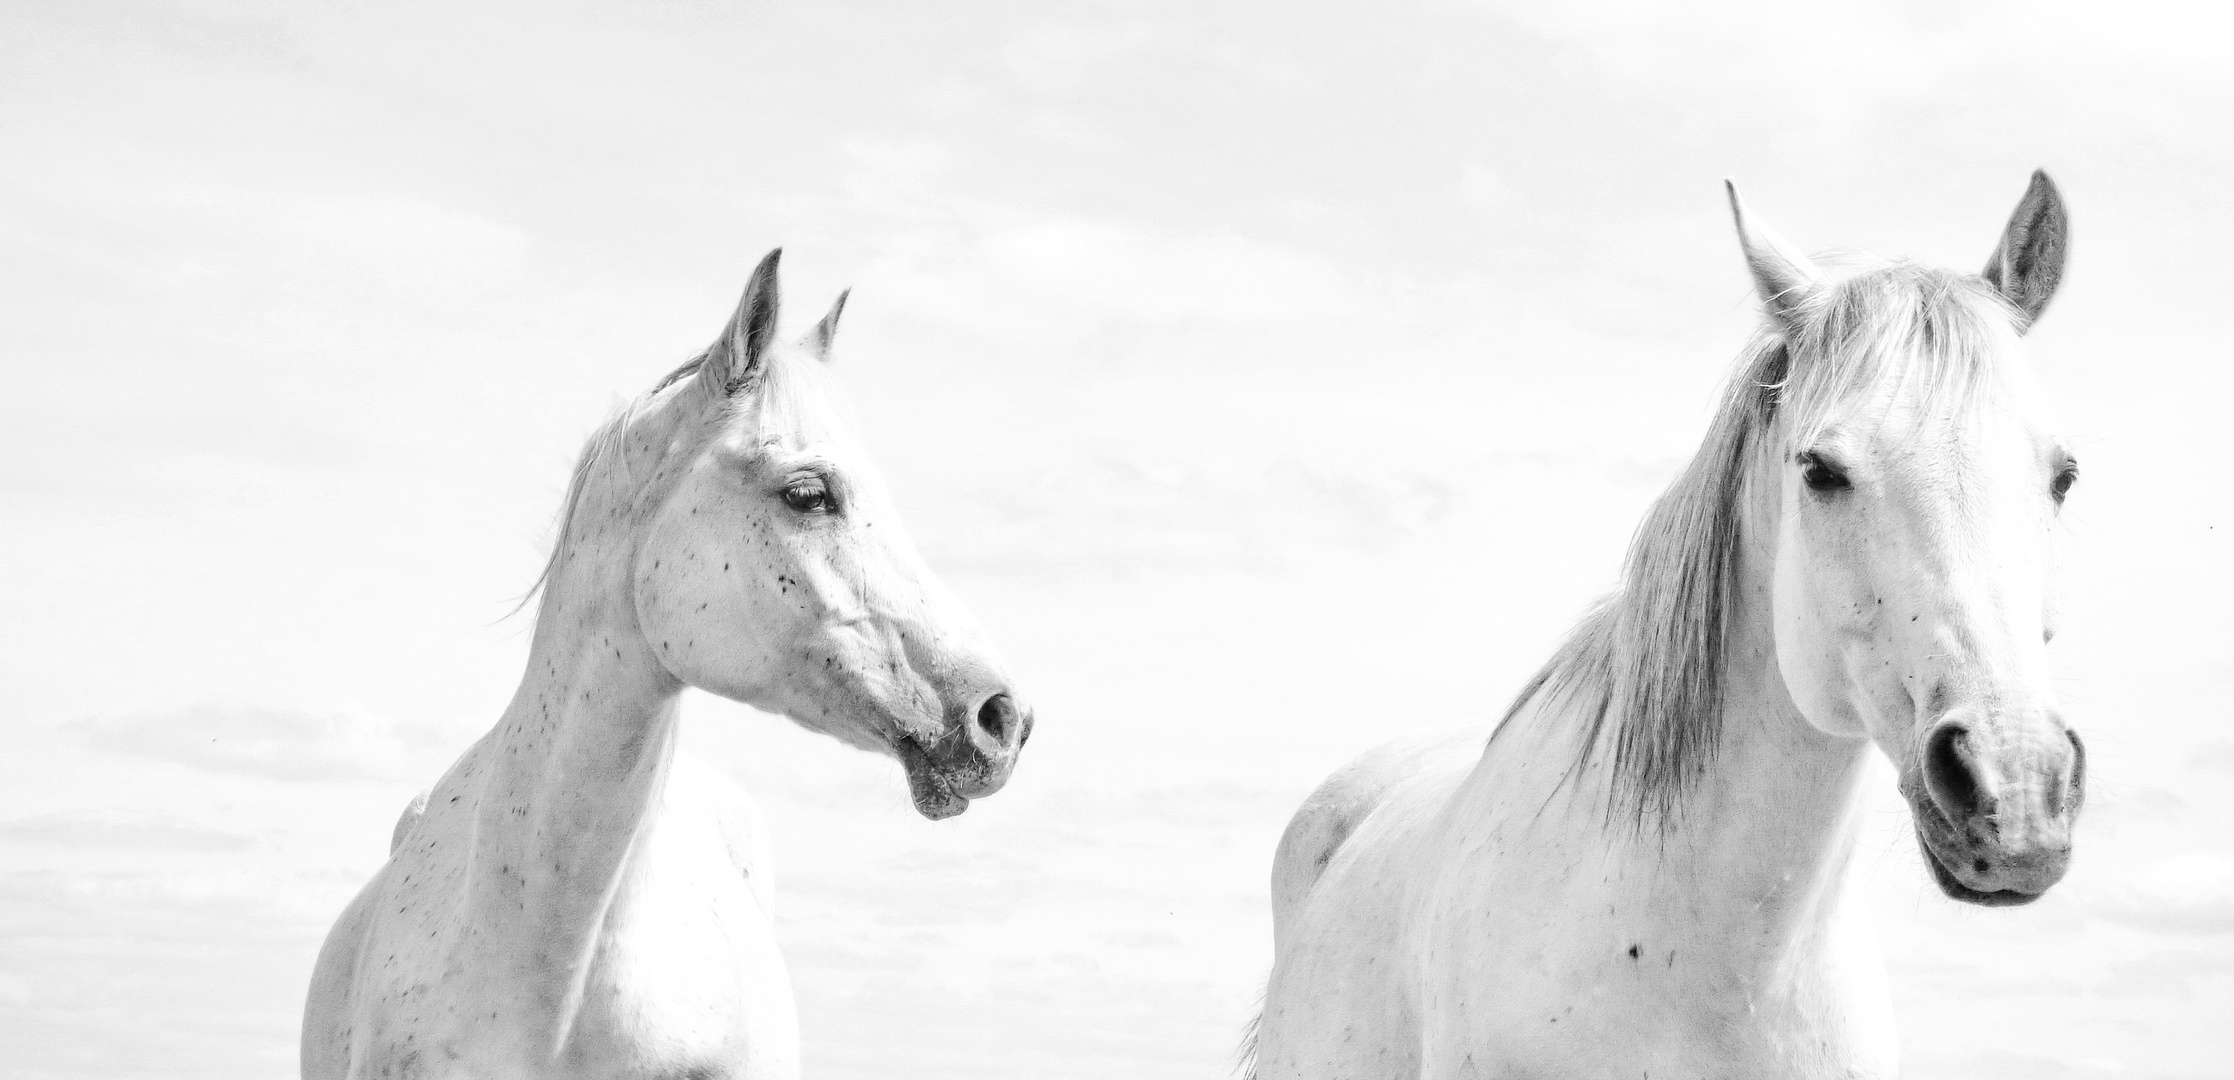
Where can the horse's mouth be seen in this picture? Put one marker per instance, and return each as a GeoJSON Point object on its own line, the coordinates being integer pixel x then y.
{"type": "Point", "coordinates": [927, 784]}
{"type": "Point", "coordinates": [1956, 890]}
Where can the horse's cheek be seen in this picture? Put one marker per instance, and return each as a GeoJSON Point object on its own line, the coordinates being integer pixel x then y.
{"type": "Point", "coordinates": [694, 607]}
{"type": "Point", "coordinates": [1812, 634]}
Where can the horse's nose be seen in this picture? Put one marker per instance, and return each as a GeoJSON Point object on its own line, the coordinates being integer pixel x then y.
{"type": "Point", "coordinates": [2010, 798]}
{"type": "Point", "coordinates": [1951, 774]}
{"type": "Point", "coordinates": [977, 757]}
{"type": "Point", "coordinates": [999, 725]}
{"type": "Point", "coordinates": [1967, 786]}
{"type": "Point", "coordinates": [2071, 794]}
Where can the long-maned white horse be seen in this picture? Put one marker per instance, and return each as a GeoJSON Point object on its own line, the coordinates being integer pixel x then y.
{"type": "Point", "coordinates": [1644, 872]}
{"type": "Point", "coordinates": [574, 900]}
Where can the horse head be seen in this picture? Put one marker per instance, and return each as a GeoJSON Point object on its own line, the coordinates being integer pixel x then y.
{"type": "Point", "coordinates": [773, 571]}
{"type": "Point", "coordinates": [1918, 485]}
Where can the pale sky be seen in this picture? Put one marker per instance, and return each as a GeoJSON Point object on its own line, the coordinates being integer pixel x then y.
{"type": "Point", "coordinates": [1272, 379]}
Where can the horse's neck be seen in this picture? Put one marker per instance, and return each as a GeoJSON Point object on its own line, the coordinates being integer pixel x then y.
{"type": "Point", "coordinates": [1764, 841]}
{"type": "Point", "coordinates": [577, 766]}
{"type": "Point", "coordinates": [1752, 861]}
{"type": "Point", "coordinates": [1759, 849]}
{"type": "Point", "coordinates": [578, 760]}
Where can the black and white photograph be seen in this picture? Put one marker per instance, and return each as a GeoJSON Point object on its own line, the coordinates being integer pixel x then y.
{"type": "Point", "coordinates": [1116, 540]}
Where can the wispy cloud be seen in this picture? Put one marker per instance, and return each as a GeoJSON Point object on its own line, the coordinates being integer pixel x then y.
{"type": "Point", "coordinates": [279, 744]}
{"type": "Point", "coordinates": [1860, 49]}
{"type": "Point", "coordinates": [2188, 894]}
{"type": "Point", "coordinates": [108, 829]}
{"type": "Point", "coordinates": [1057, 57]}
{"type": "Point", "coordinates": [1128, 515]}
{"type": "Point", "coordinates": [1068, 280]}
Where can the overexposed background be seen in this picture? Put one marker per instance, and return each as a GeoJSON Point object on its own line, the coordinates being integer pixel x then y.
{"type": "Point", "coordinates": [1272, 379]}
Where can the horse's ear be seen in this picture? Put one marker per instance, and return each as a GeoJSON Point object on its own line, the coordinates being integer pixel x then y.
{"type": "Point", "coordinates": [1782, 274]}
{"type": "Point", "coordinates": [2029, 262]}
{"type": "Point", "coordinates": [734, 361]}
{"type": "Point", "coordinates": [826, 331]}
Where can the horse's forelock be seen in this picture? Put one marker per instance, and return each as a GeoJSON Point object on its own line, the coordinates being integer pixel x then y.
{"type": "Point", "coordinates": [1937, 332]}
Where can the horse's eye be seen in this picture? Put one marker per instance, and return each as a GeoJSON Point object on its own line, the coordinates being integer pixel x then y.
{"type": "Point", "coordinates": [2065, 477]}
{"type": "Point", "coordinates": [808, 496]}
{"type": "Point", "coordinates": [1821, 474]}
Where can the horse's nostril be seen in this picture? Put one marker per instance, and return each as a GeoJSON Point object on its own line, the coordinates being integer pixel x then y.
{"type": "Point", "coordinates": [996, 716]}
{"type": "Point", "coordinates": [2078, 788]}
{"type": "Point", "coordinates": [1947, 775]}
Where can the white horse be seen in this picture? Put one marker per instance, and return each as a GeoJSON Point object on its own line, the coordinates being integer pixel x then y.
{"type": "Point", "coordinates": [573, 900]}
{"type": "Point", "coordinates": [1644, 872]}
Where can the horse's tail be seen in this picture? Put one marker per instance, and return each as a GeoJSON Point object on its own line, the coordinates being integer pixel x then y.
{"type": "Point", "coordinates": [1245, 1058]}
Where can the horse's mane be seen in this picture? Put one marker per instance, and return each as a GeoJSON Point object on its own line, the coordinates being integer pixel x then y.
{"type": "Point", "coordinates": [1645, 667]}
{"type": "Point", "coordinates": [595, 450]}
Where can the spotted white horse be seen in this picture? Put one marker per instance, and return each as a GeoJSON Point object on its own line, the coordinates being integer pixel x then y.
{"type": "Point", "coordinates": [572, 899]}
{"type": "Point", "coordinates": [1644, 872]}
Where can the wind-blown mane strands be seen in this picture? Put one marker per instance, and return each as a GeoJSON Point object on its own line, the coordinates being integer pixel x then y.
{"type": "Point", "coordinates": [600, 444]}
{"type": "Point", "coordinates": [1650, 660]}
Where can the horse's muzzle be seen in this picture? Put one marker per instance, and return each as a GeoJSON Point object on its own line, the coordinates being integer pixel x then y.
{"type": "Point", "coordinates": [972, 760]}
{"type": "Point", "coordinates": [1995, 820]}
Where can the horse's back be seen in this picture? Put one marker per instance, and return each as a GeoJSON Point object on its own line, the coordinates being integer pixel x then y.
{"type": "Point", "coordinates": [330, 1006]}
{"type": "Point", "coordinates": [1331, 814]}
{"type": "Point", "coordinates": [327, 1009]}
{"type": "Point", "coordinates": [1338, 1003]}
{"type": "Point", "coordinates": [407, 821]}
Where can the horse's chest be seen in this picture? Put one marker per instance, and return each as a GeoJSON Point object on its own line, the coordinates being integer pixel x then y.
{"type": "Point", "coordinates": [682, 963]}
{"type": "Point", "coordinates": [680, 977]}
{"type": "Point", "coordinates": [686, 978]}
{"type": "Point", "coordinates": [1617, 1004]}
{"type": "Point", "coordinates": [1566, 970]}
